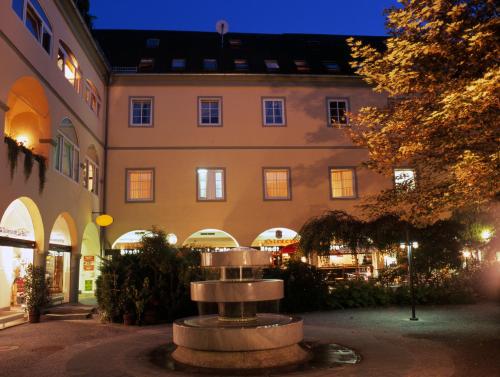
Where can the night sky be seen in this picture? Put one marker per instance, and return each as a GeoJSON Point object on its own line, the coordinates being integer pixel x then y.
{"type": "Point", "coordinates": [350, 17]}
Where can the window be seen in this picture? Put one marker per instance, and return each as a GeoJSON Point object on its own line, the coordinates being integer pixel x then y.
{"type": "Point", "coordinates": [209, 111]}
{"type": "Point", "coordinates": [146, 65]}
{"type": "Point", "coordinates": [337, 112]}
{"type": "Point", "coordinates": [211, 183]}
{"type": "Point", "coordinates": [178, 64]}
{"type": "Point", "coordinates": [272, 65]}
{"type": "Point", "coordinates": [67, 63]}
{"type": "Point", "coordinates": [273, 111]}
{"type": "Point", "coordinates": [331, 66]}
{"type": "Point", "coordinates": [277, 184]}
{"type": "Point", "coordinates": [240, 64]}
{"type": "Point", "coordinates": [152, 43]}
{"type": "Point", "coordinates": [66, 157]}
{"type": "Point", "coordinates": [342, 183]}
{"type": "Point", "coordinates": [210, 64]}
{"type": "Point", "coordinates": [33, 16]}
{"type": "Point", "coordinates": [141, 112]}
{"type": "Point", "coordinates": [235, 43]}
{"type": "Point", "coordinates": [92, 97]}
{"type": "Point", "coordinates": [91, 176]}
{"type": "Point", "coordinates": [140, 185]}
{"type": "Point", "coordinates": [404, 178]}
{"type": "Point", "coordinates": [302, 66]}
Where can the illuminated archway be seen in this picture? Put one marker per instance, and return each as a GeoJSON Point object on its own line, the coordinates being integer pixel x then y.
{"type": "Point", "coordinates": [58, 262]}
{"type": "Point", "coordinates": [28, 118]}
{"type": "Point", "coordinates": [21, 231]}
{"type": "Point", "coordinates": [210, 239]}
{"type": "Point", "coordinates": [275, 238]}
{"type": "Point", "coordinates": [130, 241]}
{"type": "Point", "coordinates": [89, 263]}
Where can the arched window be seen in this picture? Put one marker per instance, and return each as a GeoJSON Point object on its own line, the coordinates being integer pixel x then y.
{"type": "Point", "coordinates": [92, 97]}
{"type": "Point", "coordinates": [35, 20]}
{"type": "Point", "coordinates": [66, 152]}
{"type": "Point", "coordinates": [67, 63]}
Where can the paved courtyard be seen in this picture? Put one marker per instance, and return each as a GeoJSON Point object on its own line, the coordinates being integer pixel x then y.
{"type": "Point", "coordinates": [446, 341]}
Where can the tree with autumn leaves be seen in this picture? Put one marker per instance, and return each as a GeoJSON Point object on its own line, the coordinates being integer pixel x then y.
{"type": "Point", "coordinates": [441, 72]}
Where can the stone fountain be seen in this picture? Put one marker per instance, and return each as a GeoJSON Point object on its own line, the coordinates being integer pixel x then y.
{"type": "Point", "coordinates": [238, 337]}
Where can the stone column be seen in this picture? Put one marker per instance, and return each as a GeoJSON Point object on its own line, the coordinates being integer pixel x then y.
{"type": "Point", "coordinates": [74, 276]}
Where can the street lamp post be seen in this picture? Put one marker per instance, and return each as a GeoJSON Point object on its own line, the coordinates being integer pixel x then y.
{"type": "Point", "coordinates": [409, 246]}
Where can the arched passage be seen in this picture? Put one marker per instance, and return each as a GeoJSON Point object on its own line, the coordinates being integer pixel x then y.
{"type": "Point", "coordinates": [129, 242]}
{"type": "Point", "coordinates": [89, 264]}
{"type": "Point", "coordinates": [281, 241]}
{"type": "Point", "coordinates": [210, 239]}
{"type": "Point", "coordinates": [28, 118]}
{"type": "Point", "coordinates": [58, 262]}
{"type": "Point", "coordinates": [21, 232]}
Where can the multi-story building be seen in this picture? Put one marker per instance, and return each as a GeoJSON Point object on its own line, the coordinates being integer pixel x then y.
{"type": "Point", "coordinates": [219, 141]}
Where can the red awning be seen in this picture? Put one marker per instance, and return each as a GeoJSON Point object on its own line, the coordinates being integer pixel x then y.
{"type": "Point", "coordinates": [290, 249]}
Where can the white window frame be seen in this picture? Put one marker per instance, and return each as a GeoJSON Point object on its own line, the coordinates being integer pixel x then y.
{"type": "Point", "coordinates": [44, 27]}
{"type": "Point", "coordinates": [66, 57]}
{"type": "Point", "coordinates": [58, 162]}
{"type": "Point", "coordinates": [151, 198]}
{"type": "Point", "coordinates": [329, 113]}
{"type": "Point", "coordinates": [90, 94]}
{"type": "Point", "coordinates": [331, 170]}
{"type": "Point", "coordinates": [283, 111]}
{"type": "Point", "coordinates": [131, 111]}
{"type": "Point", "coordinates": [211, 181]}
{"type": "Point", "coordinates": [89, 163]}
{"type": "Point", "coordinates": [288, 171]}
{"type": "Point", "coordinates": [219, 106]}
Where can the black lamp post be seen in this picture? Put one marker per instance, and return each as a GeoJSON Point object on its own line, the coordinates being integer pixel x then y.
{"type": "Point", "coordinates": [409, 247]}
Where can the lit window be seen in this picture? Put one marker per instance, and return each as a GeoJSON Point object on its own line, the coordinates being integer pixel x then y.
{"type": "Point", "coordinates": [337, 112]}
{"type": "Point", "coordinates": [178, 64]}
{"type": "Point", "coordinates": [277, 183]}
{"type": "Point", "coordinates": [272, 65]}
{"type": "Point", "coordinates": [404, 178]}
{"type": "Point", "coordinates": [152, 43]}
{"type": "Point", "coordinates": [92, 97]}
{"type": "Point", "coordinates": [91, 176]}
{"type": "Point", "coordinates": [67, 63]}
{"type": "Point", "coordinates": [302, 66]}
{"type": "Point", "coordinates": [210, 64]}
{"type": "Point", "coordinates": [33, 16]}
{"type": "Point", "coordinates": [210, 184]}
{"type": "Point", "coordinates": [146, 65]}
{"type": "Point", "coordinates": [274, 111]}
{"type": "Point", "coordinates": [331, 66]}
{"type": "Point", "coordinates": [209, 112]}
{"type": "Point", "coordinates": [66, 157]}
{"type": "Point", "coordinates": [140, 185]}
{"type": "Point", "coordinates": [342, 183]}
{"type": "Point", "coordinates": [241, 64]}
{"type": "Point", "coordinates": [141, 112]}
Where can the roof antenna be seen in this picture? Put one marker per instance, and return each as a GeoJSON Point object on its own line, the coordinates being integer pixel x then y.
{"type": "Point", "coordinates": [222, 28]}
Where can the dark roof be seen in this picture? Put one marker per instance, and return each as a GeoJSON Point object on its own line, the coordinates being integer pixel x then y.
{"type": "Point", "coordinates": [126, 48]}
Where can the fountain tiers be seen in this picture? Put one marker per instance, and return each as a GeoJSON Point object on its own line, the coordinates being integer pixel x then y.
{"type": "Point", "coordinates": [238, 337]}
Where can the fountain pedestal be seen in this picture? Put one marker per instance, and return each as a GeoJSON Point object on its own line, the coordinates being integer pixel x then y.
{"type": "Point", "coordinates": [238, 337]}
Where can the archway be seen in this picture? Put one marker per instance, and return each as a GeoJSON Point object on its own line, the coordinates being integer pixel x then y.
{"type": "Point", "coordinates": [129, 242]}
{"type": "Point", "coordinates": [21, 232]}
{"type": "Point", "coordinates": [58, 262]}
{"type": "Point", "coordinates": [28, 118]}
{"type": "Point", "coordinates": [213, 239]}
{"type": "Point", "coordinates": [89, 264]}
{"type": "Point", "coordinates": [281, 241]}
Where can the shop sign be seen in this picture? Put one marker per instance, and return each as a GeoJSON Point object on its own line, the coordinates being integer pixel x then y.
{"type": "Point", "coordinates": [16, 233]}
{"type": "Point", "coordinates": [88, 285]}
{"type": "Point", "coordinates": [88, 264]}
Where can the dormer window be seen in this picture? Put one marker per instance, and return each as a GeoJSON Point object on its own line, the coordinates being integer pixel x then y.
{"type": "Point", "coordinates": [36, 21]}
{"type": "Point", "coordinates": [152, 43]}
{"type": "Point", "coordinates": [210, 64]}
{"type": "Point", "coordinates": [146, 64]}
{"type": "Point", "coordinates": [331, 66]}
{"type": "Point", "coordinates": [241, 64]}
{"type": "Point", "coordinates": [302, 66]}
{"type": "Point", "coordinates": [178, 64]}
{"type": "Point", "coordinates": [272, 65]}
{"type": "Point", "coordinates": [233, 42]}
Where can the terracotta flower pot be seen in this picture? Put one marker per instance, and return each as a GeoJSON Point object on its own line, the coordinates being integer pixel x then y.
{"type": "Point", "coordinates": [34, 316]}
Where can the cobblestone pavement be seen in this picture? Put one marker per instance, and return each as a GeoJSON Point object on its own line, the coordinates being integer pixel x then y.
{"type": "Point", "coordinates": [458, 341]}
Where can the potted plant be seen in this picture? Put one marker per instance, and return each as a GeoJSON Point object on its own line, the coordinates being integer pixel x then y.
{"type": "Point", "coordinates": [35, 291]}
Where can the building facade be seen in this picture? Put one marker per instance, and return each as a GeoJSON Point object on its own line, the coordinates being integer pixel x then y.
{"type": "Point", "coordinates": [218, 142]}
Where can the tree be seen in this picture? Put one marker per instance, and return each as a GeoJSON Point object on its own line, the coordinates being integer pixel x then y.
{"type": "Point", "coordinates": [441, 72]}
{"type": "Point", "coordinates": [84, 8]}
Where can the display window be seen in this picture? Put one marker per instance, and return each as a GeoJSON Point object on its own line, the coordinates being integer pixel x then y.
{"type": "Point", "coordinates": [13, 264]}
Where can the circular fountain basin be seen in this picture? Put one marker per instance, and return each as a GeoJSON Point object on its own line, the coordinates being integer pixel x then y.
{"type": "Point", "coordinates": [268, 331]}
{"type": "Point", "coordinates": [235, 290]}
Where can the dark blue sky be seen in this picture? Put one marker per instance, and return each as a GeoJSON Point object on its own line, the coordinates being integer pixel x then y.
{"type": "Point", "coordinates": [361, 17]}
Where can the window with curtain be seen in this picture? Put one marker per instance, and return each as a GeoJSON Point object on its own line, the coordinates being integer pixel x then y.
{"type": "Point", "coordinates": [141, 112]}
{"type": "Point", "coordinates": [277, 183]}
{"type": "Point", "coordinates": [140, 185]}
{"type": "Point", "coordinates": [91, 176]}
{"type": "Point", "coordinates": [210, 184]}
{"type": "Point", "coordinates": [274, 111]}
{"type": "Point", "coordinates": [342, 183]}
{"type": "Point", "coordinates": [66, 157]}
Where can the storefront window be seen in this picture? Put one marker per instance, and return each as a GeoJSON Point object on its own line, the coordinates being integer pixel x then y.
{"type": "Point", "coordinates": [57, 271]}
{"type": "Point", "coordinates": [13, 264]}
